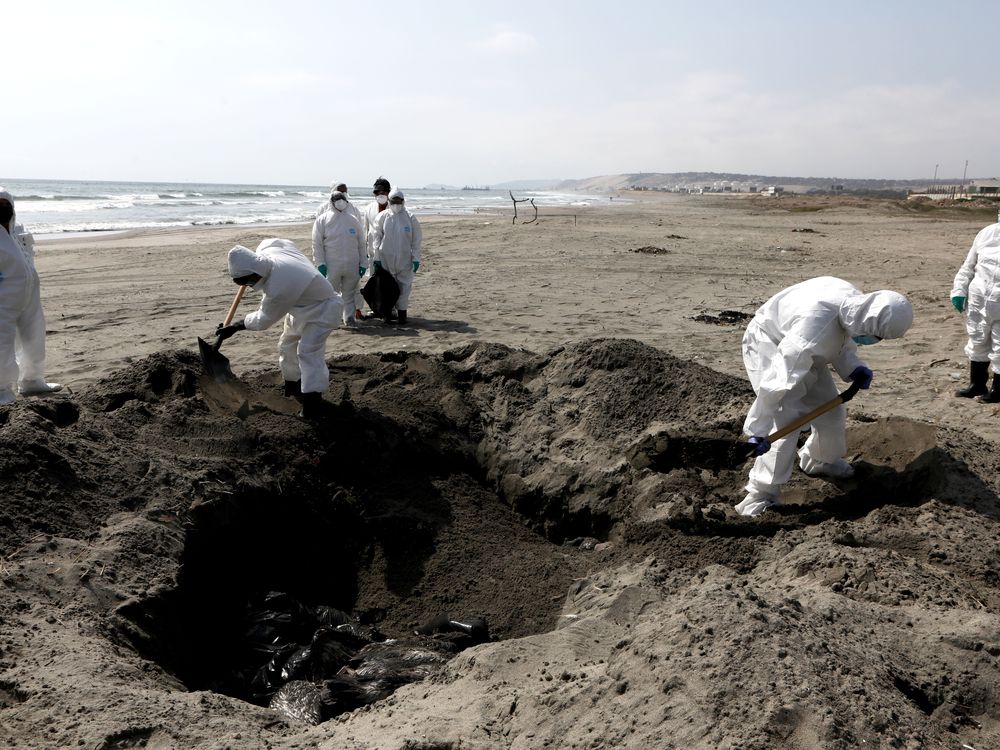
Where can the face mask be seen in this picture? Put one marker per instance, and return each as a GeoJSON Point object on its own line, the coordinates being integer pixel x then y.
{"type": "Point", "coordinates": [865, 340]}
{"type": "Point", "coordinates": [340, 205]}
{"type": "Point", "coordinates": [396, 207]}
{"type": "Point", "coordinates": [382, 199]}
{"type": "Point", "coordinates": [6, 213]}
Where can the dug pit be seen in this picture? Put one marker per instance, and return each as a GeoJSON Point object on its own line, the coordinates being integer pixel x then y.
{"type": "Point", "coordinates": [150, 518]}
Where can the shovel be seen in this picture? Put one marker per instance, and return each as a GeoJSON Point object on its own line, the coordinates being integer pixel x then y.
{"type": "Point", "coordinates": [713, 449]}
{"type": "Point", "coordinates": [215, 363]}
{"type": "Point", "coordinates": [745, 450]}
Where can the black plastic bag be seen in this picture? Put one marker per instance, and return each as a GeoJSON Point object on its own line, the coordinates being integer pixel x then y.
{"type": "Point", "coordinates": [381, 292]}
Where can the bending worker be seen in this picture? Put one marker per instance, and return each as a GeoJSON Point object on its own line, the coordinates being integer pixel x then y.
{"type": "Point", "coordinates": [340, 252]}
{"type": "Point", "coordinates": [786, 350]}
{"type": "Point", "coordinates": [977, 289]}
{"type": "Point", "coordinates": [296, 292]}
{"type": "Point", "coordinates": [22, 322]}
{"type": "Point", "coordinates": [397, 247]}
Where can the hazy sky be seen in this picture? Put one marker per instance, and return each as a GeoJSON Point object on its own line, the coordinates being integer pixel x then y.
{"type": "Point", "coordinates": [475, 91]}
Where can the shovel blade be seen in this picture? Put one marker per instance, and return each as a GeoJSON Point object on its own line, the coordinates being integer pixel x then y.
{"type": "Point", "coordinates": [216, 364]}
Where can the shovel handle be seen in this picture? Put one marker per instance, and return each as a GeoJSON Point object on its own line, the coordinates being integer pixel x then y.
{"type": "Point", "coordinates": [232, 308]}
{"type": "Point", "coordinates": [840, 398]}
{"type": "Point", "coordinates": [229, 315]}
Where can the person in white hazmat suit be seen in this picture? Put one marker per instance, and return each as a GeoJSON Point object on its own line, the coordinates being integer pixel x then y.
{"type": "Point", "coordinates": [295, 292]}
{"type": "Point", "coordinates": [976, 291]}
{"type": "Point", "coordinates": [340, 187]}
{"type": "Point", "coordinates": [397, 247]}
{"type": "Point", "coordinates": [340, 253]}
{"type": "Point", "coordinates": [22, 322]}
{"type": "Point", "coordinates": [787, 348]}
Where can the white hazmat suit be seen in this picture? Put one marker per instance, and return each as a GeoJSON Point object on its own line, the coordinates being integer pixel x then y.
{"type": "Point", "coordinates": [338, 243]}
{"type": "Point", "coordinates": [293, 291]}
{"type": "Point", "coordinates": [978, 280]}
{"type": "Point", "coordinates": [22, 322]}
{"type": "Point", "coordinates": [786, 349]}
{"type": "Point", "coordinates": [396, 245]}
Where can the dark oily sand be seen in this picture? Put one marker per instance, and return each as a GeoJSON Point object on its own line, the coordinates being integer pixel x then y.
{"type": "Point", "coordinates": [628, 605]}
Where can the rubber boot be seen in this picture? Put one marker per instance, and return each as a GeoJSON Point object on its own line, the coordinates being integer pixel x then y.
{"type": "Point", "coordinates": [979, 373]}
{"type": "Point", "coordinates": [293, 389]}
{"type": "Point", "coordinates": [312, 406]}
{"type": "Point", "coordinates": [402, 316]}
{"type": "Point", "coordinates": [993, 397]}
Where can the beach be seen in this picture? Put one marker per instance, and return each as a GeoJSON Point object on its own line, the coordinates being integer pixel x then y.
{"type": "Point", "coordinates": [545, 448]}
{"type": "Point", "coordinates": [573, 274]}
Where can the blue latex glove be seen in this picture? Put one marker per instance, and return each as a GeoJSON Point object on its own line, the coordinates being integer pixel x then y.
{"type": "Point", "coordinates": [416, 265]}
{"type": "Point", "coordinates": [322, 268]}
{"type": "Point", "coordinates": [760, 445]}
{"type": "Point", "coordinates": [863, 376]}
{"type": "Point", "coordinates": [958, 303]}
{"type": "Point", "coordinates": [378, 265]}
{"type": "Point", "coordinates": [361, 271]}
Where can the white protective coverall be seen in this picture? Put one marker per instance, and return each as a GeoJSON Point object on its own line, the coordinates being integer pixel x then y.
{"type": "Point", "coordinates": [22, 322]}
{"type": "Point", "coordinates": [293, 290]}
{"type": "Point", "coordinates": [786, 349]}
{"type": "Point", "coordinates": [396, 246]}
{"type": "Point", "coordinates": [338, 243]}
{"type": "Point", "coordinates": [978, 280]}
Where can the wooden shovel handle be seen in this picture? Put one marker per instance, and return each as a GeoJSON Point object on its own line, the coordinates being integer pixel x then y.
{"type": "Point", "coordinates": [840, 398]}
{"type": "Point", "coordinates": [232, 307]}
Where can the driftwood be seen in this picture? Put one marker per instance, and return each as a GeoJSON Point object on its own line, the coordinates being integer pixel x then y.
{"type": "Point", "coordinates": [523, 200]}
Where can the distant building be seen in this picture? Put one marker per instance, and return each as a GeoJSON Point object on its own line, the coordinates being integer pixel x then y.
{"type": "Point", "coordinates": [836, 188]}
{"type": "Point", "coordinates": [772, 190]}
{"type": "Point", "coordinates": [985, 187]}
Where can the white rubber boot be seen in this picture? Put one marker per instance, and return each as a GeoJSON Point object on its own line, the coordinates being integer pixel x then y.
{"type": "Point", "coordinates": [839, 469]}
{"type": "Point", "coordinates": [755, 503]}
{"type": "Point", "coordinates": [37, 387]}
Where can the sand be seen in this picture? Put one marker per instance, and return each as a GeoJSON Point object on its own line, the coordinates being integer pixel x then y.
{"type": "Point", "coordinates": [537, 448]}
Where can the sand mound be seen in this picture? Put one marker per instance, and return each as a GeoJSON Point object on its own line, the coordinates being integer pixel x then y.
{"type": "Point", "coordinates": [574, 499]}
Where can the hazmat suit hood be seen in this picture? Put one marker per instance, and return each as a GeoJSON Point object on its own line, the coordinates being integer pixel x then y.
{"type": "Point", "coordinates": [884, 313]}
{"type": "Point", "coordinates": [396, 193]}
{"type": "Point", "coordinates": [243, 261]}
{"type": "Point", "coordinates": [5, 194]}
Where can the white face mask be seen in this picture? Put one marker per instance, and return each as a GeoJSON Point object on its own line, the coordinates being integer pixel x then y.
{"type": "Point", "coordinates": [382, 199]}
{"type": "Point", "coordinates": [340, 205]}
{"type": "Point", "coordinates": [396, 207]}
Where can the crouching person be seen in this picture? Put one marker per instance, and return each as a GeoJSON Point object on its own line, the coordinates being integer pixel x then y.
{"type": "Point", "coordinates": [296, 292]}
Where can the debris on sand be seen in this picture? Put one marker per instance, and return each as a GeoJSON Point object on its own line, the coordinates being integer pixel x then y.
{"type": "Point", "coordinates": [724, 318]}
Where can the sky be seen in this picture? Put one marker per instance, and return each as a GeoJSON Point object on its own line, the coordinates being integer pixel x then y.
{"type": "Point", "coordinates": [480, 92]}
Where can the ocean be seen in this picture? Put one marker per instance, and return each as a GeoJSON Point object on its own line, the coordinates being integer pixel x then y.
{"type": "Point", "coordinates": [54, 207]}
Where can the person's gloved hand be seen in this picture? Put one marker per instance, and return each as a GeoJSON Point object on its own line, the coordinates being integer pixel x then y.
{"type": "Point", "coordinates": [760, 445]}
{"type": "Point", "coordinates": [862, 376]}
{"type": "Point", "coordinates": [416, 265]}
{"type": "Point", "coordinates": [361, 271]}
{"type": "Point", "coordinates": [322, 268]}
{"type": "Point", "coordinates": [958, 303]}
{"type": "Point", "coordinates": [224, 332]}
{"type": "Point", "coordinates": [378, 265]}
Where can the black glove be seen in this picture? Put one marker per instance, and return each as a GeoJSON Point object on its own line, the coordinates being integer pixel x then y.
{"type": "Point", "coordinates": [224, 332]}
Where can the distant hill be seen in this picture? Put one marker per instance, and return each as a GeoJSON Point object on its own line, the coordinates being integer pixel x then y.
{"type": "Point", "coordinates": [741, 183]}
{"type": "Point", "coordinates": [511, 185]}
{"type": "Point", "coordinates": [526, 185]}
